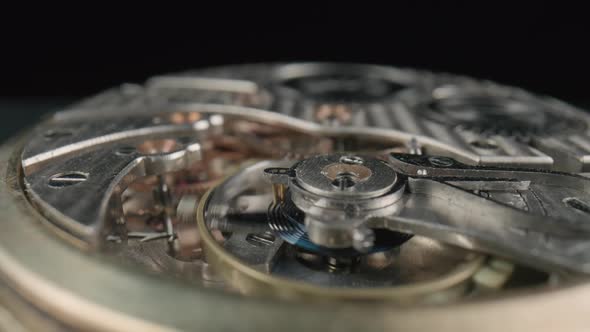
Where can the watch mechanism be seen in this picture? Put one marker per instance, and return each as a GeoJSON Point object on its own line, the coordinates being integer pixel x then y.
{"type": "Point", "coordinates": [306, 196]}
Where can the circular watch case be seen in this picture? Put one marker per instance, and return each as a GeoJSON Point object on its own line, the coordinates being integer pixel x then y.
{"type": "Point", "coordinates": [307, 196]}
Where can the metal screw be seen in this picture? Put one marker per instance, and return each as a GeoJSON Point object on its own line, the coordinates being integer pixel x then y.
{"type": "Point", "coordinates": [114, 238]}
{"type": "Point", "coordinates": [441, 161]}
{"type": "Point", "coordinates": [351, 160]}
{"type": "Point", "coordinates": [414, 147]}
{"type": "Point", "coordinates": [277, 171]}
{"type": "Point", "coordinates": [344, 181]}
{"type": "Point", "coordinates": [67, 179]}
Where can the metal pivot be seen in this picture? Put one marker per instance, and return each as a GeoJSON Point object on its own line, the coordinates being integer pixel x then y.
{"type": "Point", "coordinates": [338, 194]}
{"type": "Point", "coordinates": [518, 213]}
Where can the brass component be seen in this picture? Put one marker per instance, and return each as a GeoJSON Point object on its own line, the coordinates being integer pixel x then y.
{"type": "Point", "coordinates": [278, 191]}
{"type": "Point", "coordinates": [338, 112]}
{"type": "Point", "coordinates": [158, 146]}
{"type": "Point", "coordinates": [359, 172]}
{"type": "Point", "coordinates": [181, 117]}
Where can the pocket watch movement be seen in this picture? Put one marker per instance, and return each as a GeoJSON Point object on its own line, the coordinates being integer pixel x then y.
{"type": "Point", "coordinates": [303, 196]}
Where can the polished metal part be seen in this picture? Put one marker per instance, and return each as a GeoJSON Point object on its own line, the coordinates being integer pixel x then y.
{"type": "Point", "coordinates": [443, 202]}
{"type": "Point", "coordinates": [82, 207]}
{"type": "Point", "coordinates": [345, 176]}
{"type": "Point", "coordinates": [453, 110]}
{"type": "Point", "coordinates": [335, 214]}
{"type": "Point", "coordinates": [551, 236]}
{"type": "Point", "coordinates": [120, 176]}
{"type": "Point", "coordinates": [258, 263]}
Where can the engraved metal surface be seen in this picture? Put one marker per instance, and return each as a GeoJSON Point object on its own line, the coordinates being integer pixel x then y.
{"type": "Point", "coordinates": [439, 106]}
{"type": "Point", "coordinates": [420, 194]}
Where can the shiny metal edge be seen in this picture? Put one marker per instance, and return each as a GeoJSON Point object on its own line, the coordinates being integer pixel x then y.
{"type": "Point", "coordinates": [86, 291]}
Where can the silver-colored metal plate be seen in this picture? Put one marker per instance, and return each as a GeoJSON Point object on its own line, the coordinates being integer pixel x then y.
{"type": "Point", "coordinates": [76, 163]}
{"type": "Point", "coordinates": [369, 177]}
{"type": "Point", "coordinates": [423, 104]}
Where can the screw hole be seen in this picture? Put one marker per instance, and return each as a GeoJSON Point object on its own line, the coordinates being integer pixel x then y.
{"type": "Point", "coordinates": [344, 180]}
{"type": "Point", "coordinates": [125, 150]}
{"type": "Point", "coordinates": [484, 144]}
{"type": "Point", "coordinates": [61, 180]}
{"type": "Point", "coordinates": [575, 203]}
{"type": "Point", "coordinates": [57, 133]}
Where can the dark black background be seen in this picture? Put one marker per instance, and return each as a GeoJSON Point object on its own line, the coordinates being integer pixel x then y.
{"type": "Point", "coordinates": [50, 56]}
